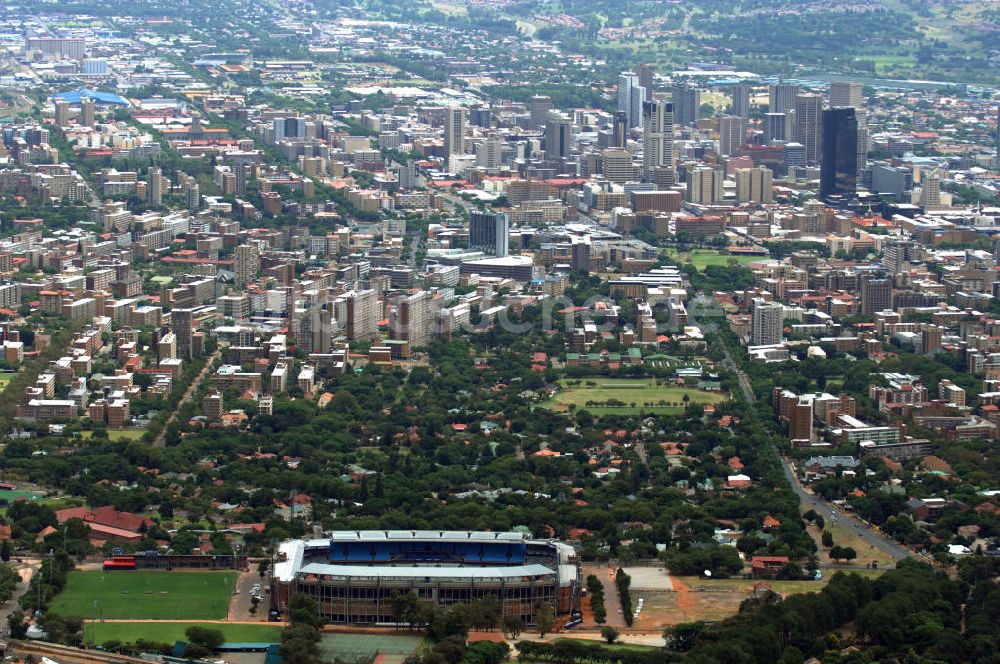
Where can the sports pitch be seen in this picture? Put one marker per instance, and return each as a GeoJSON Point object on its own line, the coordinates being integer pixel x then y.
{"type": "Point", "coordinates": [351, 647]}
{"type": "Point", "coordinates": [139, 595]}
{"type": "Point", "coordinates": [644, 393]}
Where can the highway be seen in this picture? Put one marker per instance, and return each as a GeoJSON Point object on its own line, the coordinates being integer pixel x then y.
{"type": "Point", "coordinates": [874, 538]}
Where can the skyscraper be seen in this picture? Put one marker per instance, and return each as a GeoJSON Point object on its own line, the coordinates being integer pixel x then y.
{"type": "Point", "coordinates": [558, 136]}
{"type": "Point", "coordinates": [657, 137]}
{"type": "Point", "coordinates": [361, 315]}
{"type": "Point", "coordinates": [809, 124]}
{"type": "Point", "coordinates": [414, 320]}
{"type": "Point", "coordinates": [781, 97]}
{"type": "Point", "coordinates": [704, 185]}
{"type": "Point", "coordinates": [539, 108]}
{"type": "Point", "coordinates": [61, 113]}
{"type": "Point", "coordinates": [88, 112]}
{"type": "Point", "coordinates": [645, 74]}
{"type": "Point", "coordinates": [181, 324]}
{"type": "Point", "coordinates": [775, 127]}
{"type": "Point", "coordinates": [488, 154]}
{"type": "Point", "coordinates": [876, 295]}
{"type": "Point", "coordinates": [754, 185]}
{"type": "Point", "coordinates": [767, 322]}
{"type": "Point", "coordinates": [839, 168]}
{"type": "Point", "coordinates": [619, 130]}
{"type": "Point", "coordinates": [930, 190]}
{"type": "Point", "coordinates": [850, 94]}
{"type": "Point", "coordinates": [741, 100]}
{"type": "Point", "coordinates": [489, 231]}
{"type": "Point", "coordinates": [687, 102]}
{"type": "Point", "coordinates": [732, 134]}
{"type": "Point", "coordinates": [630, 98]}
{"type": "Point", "coordinates": [246, 263]}
{"type": "Point", "coordinates": [846, 94]}
{"type": "Point", "coordinates": [193, 196]}
{"type": "Point", "coordinates": [454, 131]}
{"type": "Point", "coordinates": [154, 188]}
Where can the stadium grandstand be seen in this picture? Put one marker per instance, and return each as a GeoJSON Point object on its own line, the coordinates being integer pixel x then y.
{"type": "Point", "coordinates": [352, 575]}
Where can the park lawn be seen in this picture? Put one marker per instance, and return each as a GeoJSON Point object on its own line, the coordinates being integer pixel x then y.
{"type": "Point", "coordinates": [614, 647]}
{"type": "Point", "coordinates": [702, 258]}
{"type": "Point", "coordinates": [117, 434]}
{"type": "Point", "coordinates": [628, 390]}
{"type": "Point", "coordinates": [843, 536]}
{"type": "Point", "coordinates": [171, 632]}
{"type": "Point", "coordinates": [149, 595]}
{"type": "Point", "coordinates": [5, 379]}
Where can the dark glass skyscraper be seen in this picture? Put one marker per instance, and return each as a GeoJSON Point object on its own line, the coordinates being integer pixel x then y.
{"type": "Point", "coordinates": [839, 166]}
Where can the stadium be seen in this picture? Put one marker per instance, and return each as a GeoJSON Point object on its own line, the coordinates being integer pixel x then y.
{"type": "Point", "coordinates": [353, 574]}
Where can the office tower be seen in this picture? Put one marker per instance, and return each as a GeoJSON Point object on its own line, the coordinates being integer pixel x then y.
{"type": "Point", "coordinates": [657, 137]}
{"type": "Point", "coordinates": [687, 102]}
{"type": "Point", "coordinates": [839, 168]}
{"type": "Point", "coordinates": [755, 185]}
{"type": "Point", "coordinates": [741, 100]}
{"type": "Point", "coordinates": [61, 113]}
{"type": "Point", "coordinates": [481, 117]}
{"type": "Point", "coordinates": [795, 156]}
{"type": "Point", "coordinates": [891, 180]}
{"type": "Point", "coordinates": [154, 188]}
{"type": "Point", "coordinates": [704, 185]}
{"type": "Point", "coordinates": [454, 131]}
{"type": "Point", "coordinates": [407, 175]}
{"type": "Point", "coordinates": [774, 127]}
{"type": "Point", "coordinates": [876, 295]}
{"type": "Point", "coordinates": [781, 97]}
{"type": "Point", "coordinates": [193, 197]}
{"type": "Point", "coordinates": [361, 315]}
{"type": "Point", "coordinates": [182, 325]}
{"type": "Point", "coordinates": [539, 109]}
{"type": "Point", "coordinates": [488, 153]}
{"type": "Point", "coordinates": [846, 94]}
{"type": "Point", "coordinates": [489, 231]}
{"type": "Point", "coordinates": [766, 327]}
{"type": "Point", "coordinates": [619, 130]}
{"type": "Point", "coordinates": [645, 74]}
{"type": "Point", "coordinates": [88, 112]}
{"type": "Point", "coordinates": [732, 134]}
{"type": "Point", "coordinates": [558, 136]}
{"type": "Point", "coordinates": [998, 137]}
{"type": "Point", "coordinates": [809, 125]}
{"type": "Point", "coordinates": [849, 94]}
{"type": "Point", "coordinates": [630, 98]}
{"type": "Point", "coordinates": [580, 253]}
{"type": "Point", "coordinates": [246, 263]}
{"type": "Point", "coordinates": [414, 320]}
{"type": "Point", "coordinates": [617, 166]}
{"type": "Point", "coordinates": [930, 191]}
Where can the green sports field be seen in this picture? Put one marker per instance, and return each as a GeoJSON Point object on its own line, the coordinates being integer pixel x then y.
{"type": "Point", "coordinates": [702, 258]}
{"type": "Point", "coordinates": [170, 632]}
{"type": "Point", "coordinates": [146, 595]}
{"type": "Point", "coordinates": [644, 393]}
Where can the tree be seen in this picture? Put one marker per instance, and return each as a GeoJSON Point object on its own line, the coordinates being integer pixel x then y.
{"type": "Point", "coordinates": [512, 626]}
{"type": "Point", "coordinates": [545, 620]}
{"type": "Point", "coordinates": [843, 553]}
{"type": "Point", "coordinates": [609, 633]}
{"type": "Point", "coordinates": [827, 538]}
{"type": "Point", "coordinates": [682, 636]}
{"type": "Point", "coordinates": [262, 567]}
{"type": "Point", "coordinates": [204, 639]}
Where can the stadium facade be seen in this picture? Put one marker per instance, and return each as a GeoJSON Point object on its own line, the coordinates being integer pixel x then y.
{"type": "Point", "coordinates": [352, 575]}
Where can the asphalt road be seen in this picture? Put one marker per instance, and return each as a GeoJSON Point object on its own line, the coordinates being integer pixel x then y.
{"type": "Point", "coordinates": [874, 538]}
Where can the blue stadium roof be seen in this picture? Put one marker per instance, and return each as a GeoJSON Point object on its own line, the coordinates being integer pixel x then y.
{"type": "Point", "coordinates": [74, 97]}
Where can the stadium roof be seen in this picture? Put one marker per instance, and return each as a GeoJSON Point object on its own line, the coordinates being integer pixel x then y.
{"type": "Point", "coordinates": [439, 535]}
{"type": "Point", "coordinates": [74, 97]}
{"type": "Point", "coordinates": [410, 571]}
